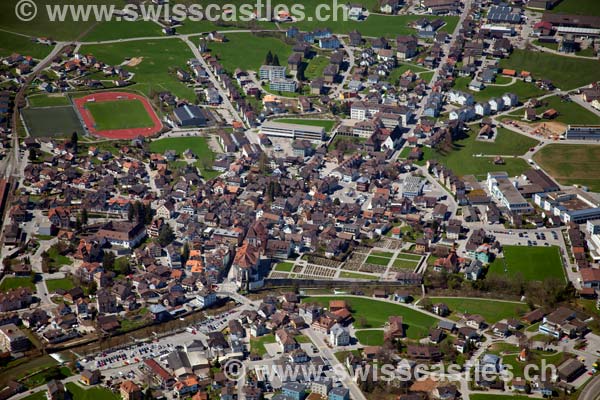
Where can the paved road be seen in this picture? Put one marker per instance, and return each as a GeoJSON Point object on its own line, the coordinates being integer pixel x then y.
{"type": "Point", "coordinates": [592, 390]}
{"type": "Point", "coordinates": [213, 79]}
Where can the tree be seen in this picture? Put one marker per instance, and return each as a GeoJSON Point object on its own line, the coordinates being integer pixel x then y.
{"type": "Point", "coordinates": [74, 139]}
{"type": "Point", "coordinates": [32, 156]}
{"type": "Point", "coordinates": [336, 202]}
{"type": "Point", "coordinates": [130, 213]}
{"type": "Point", "coordinates": [122, 266]}
{"type": "Point", "coordinates": [276, 60]}
{"type": "Point", "coordinates": [84, 216]}
{"type": "Point", "coordinates": [269, 58]}
{"type": "Point", "coordinates": [185, 252]}
{"type": "Point", "coordinates": [166, 235]}
{"type": "Point", "coordinates": [108, 260]}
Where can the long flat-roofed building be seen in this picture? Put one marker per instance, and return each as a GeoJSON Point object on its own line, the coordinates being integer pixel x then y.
{"type": "Point", "coordinates": [506, 193]}
{"type": "Point", "coordinates": [293, 131]}
{"type": "Point", "coordinates": [569, 205]}
{"type": "Point", "coordinates": [583, 132]}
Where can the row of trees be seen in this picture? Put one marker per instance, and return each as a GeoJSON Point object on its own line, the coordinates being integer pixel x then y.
{"type": "Point", "coordinates": [271, 59]}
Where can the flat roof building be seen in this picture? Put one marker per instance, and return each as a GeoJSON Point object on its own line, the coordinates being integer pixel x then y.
{"type": "Point", "coordinates": [293, 131]}
{"type": "Point", "coordinates": [189, 115]}
{"type": "Point", "coordinates": [572, 205]}
{"type": "Point", "coordinates": [506, 192]}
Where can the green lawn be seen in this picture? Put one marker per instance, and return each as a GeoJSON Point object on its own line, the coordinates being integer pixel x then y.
{"type": "Point", "coordinates": [518, 367]}
{"type": "Point", "coordinates": [572, 164]}
{"type": "Point", "coordinates": [248, 51]}
{"type": "Point", "coordinates": [43, 100]}
{"type": "Point", "coordinates": [113, 30]}
{"type": "Point", "coordinates": [377, 260]}
{"type": "Point", "coordinates": [485, 396]}
{"type": "Point", "coordinates": [409, 256]}
{"type": "Point", "coordinates": [257, 345]}
{"type": "Point", "coordinates": [10, 43]}
{"type": "Point", "coordinates": [284, 267]}
{"type": "Point", "coordinates": [375, 314]}
{"type": "Point", "coordinates": [315, 67]}
{"type": "Point", "coordinates": [41, 25]}
{"type": "Point", "coordinates": [325, 123]}
{"type": "Point", "coordinates": [197, 144]}
{"type": "Point", "coordinates": [556, 68]}
{"type": "Point", "coordinates": [79, 393]}
{"type": "Point", "coordinates": [522, 89]}
{"type": "Point", "coordinates": [405, 264]}
{"type": "Point", "coordinates": [52, 121]}
{"type": "Point", "coordinates": [370, 338]}
{"type": "Point", "coordinates": [357, 275]}
{"type": "Point", "coordinates": [581, 7]}
{"type": "Point", "coordinates": [152, 74]}
{"type": "Point", "coordinates": [14, 282]}
{"type": "Point", "coordinates": [42, 378]}
{"type": "Point", "coordinates": [55, 284]}
{"type": "Point", "coordinates": [569, 112]}
{"type": "Point", "coordinates": [58, 259]}
{"type": "Point", "coordinates": [385, 254]}
{"type": "Point", "coordinates": [119, 114]}
{"type": "Point", "coordinates": [402, 68]}
{"type": "Point", "coordinates": [492, 310]}
{"type": "Point", "coordinates": [460, 159]}
{"type": "Point", "coordinates": [533, 263]}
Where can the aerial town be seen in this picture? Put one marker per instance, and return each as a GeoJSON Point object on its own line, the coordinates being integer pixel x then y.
{"type": "Point", "coordinates": [400, 205]}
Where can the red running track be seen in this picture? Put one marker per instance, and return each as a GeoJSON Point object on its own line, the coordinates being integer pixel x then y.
{"type": "Point", "coordinates": [117, 133]}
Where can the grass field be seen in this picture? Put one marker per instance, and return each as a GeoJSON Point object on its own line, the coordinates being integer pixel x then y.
{"type": "Point", "coordinates": [556, 68]}
{"type": "Point", "coordinates": [58, 259]}
{"type": "Point", "coordinates": [315, 67]}
{"type": "Point", "coordinates": [41, 25]}
{"type": "Point", "coordinates": [52, 121]}
{"type": "Point", "coordinates": [485, 396]}
{"type": "Point", "coordinates": [257, 345]}
{"type": "Point", "coordinates": [248, 51]}
{"type": "Point", "coordinates": [10, 43]}
{"type": "Point", "coordinates": [462, 162]}
{"type": "Point", "coordinates": [408, 256]}
{"type": "Point", "coordinates": [376, 313]}
{"type": "Point", "coordinates": [518, 367]}
{"type": "Point", "coordinates": [152, 73]}
{"type": "Point", "coordinates": [572, 163]}
{"type": "Point", "coordinates": [385, 254]}
{"type": "Point", "coordinates": [522, 89]}
{"type": "Point", "coordinates": [119, 114]}
{"type": "Point", "coordinates": [55, 284]}
{"type": "Point", "coordinates": [402, 68]}
{"type": "Point", "coordinates": [581, 7]}
{"type": "Point", "coordinates": [533, 263]}
{"type": "Point", "coordinates": [13, 282]}
{"type": "Point", "coordinates": [492, 310]}
{"type": "Point", "coordinates": [79, 393]}
{"type": "Point", "coordinates": [198, 145]}
{"type": "Point", "coordinates": [377, 260]}
{"type": "Point", "coordinates": [43, 100]}
{"type": "Point", "coordinates": [284, 267]}
{"type": "Point", "coordinates": [405, 264]}
{"type": "Point", "coordinates": [357, 275]}
{"type": "Point", "coordinates": [113, 30]}
{"type": "Point", "coordinates": [569, 112]}
{"type": "Point", "coordinates": [325, 123]}
{"type": "Point", "coordinates": [370, 338]}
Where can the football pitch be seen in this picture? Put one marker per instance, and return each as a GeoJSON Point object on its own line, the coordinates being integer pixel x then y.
{"type": "Point", "coordinates": [119, 114]}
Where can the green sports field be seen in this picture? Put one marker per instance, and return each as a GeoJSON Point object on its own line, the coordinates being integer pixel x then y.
{"type": "Point", "coordinates": [119, 114]}
{"type": "Point", "coordinates": [533, 263]}
{"type": "Point", "coordinates": [325, 123]}
{"type": "Point", "coordinates": [52, 121]}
